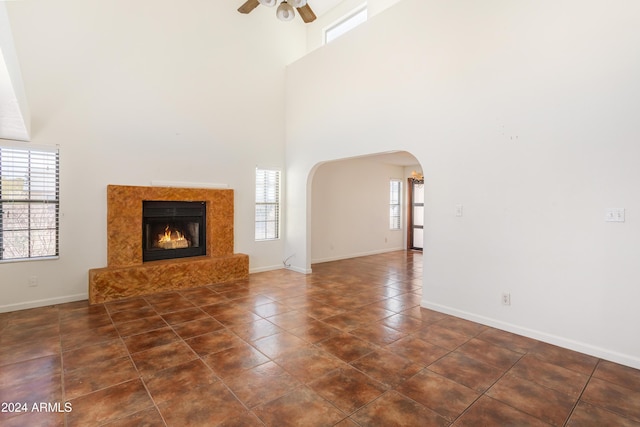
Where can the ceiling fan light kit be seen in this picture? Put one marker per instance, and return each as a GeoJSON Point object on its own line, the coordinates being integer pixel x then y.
{"type": "Point", "coordinates": [285, 12]}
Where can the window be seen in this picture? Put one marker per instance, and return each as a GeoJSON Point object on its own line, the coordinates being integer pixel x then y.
{"type": "Point", "coordinates": [395, 186]}
{"type": "Point", "coordinates": [29, 203]}
{"type": "Point", "coordinates": [346, 24]}
{"type": "Point", "coordinates": [267, 204]}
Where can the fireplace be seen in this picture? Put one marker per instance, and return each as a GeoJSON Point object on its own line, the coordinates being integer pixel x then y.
{"type": "Point", "coordinates": [173, 229]}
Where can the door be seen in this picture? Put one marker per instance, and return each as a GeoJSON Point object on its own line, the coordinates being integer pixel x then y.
{"type": "Point", "coordinates": [416, 214]}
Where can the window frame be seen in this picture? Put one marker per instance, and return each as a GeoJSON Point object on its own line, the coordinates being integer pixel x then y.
{"type": "Point", "coordinates": [275, 202]}
{"type": "Point", "coordinates": [33, 164]}
{"type": "Point", "coordinates": [344, 20]}
{"type": "Point", "coordinates": [395, 217]}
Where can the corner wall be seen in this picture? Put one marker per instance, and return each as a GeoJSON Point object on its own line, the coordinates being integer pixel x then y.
{"type": "Point", "coordinates": [523, 112]}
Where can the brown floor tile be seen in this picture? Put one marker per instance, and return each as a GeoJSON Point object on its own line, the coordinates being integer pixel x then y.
{"type": "Point", "coordinates": [438, 393]}
{"type": "Point", "coordinates": [308, 363]}
{"type": "Point", "coordinates": [87, 338]}
{"type": "Point", "coordinates": [618, 374]}
{"type": "Point", "coordinates": [508, 340]}
{"type": "Point", "coordinates": [213, 342]}
{"type": "Point", "coordinates": [77, 324]}
{"type": "Point", "coordinates": [441, 336]}
{"type": "Point", "coordinates": [394, 409]}
{"type": "Point", "coordinates": [386, 367]}
{"type": "Point", "coordinates": [29, 350]}
{"type": "Point", "coordinates": [302, 407]}
{"type": "Point", "coordinates": [551, 376]}
{"type": "Point", "coordinates": [197, 327]}
{"type": "Point", "coordinates": [585, 415]}
{"type": "Point", "coordinates": [291, 319]}
{"type": "Point", "coordinates": [226, 372]}
{"type": "Point", "coordinates": [86, 357]}
{"type": "Point", "coordinates": [33, 391]}
{"type": "Point", "coordinates": [29, 370]}
{"type": "Point", "coordinates": [148, 362]}
{"type": "Point", "coordinates": [462, 326]}
{"type": "Point", "coordinates": [469, 372]}
{"type": "Point", "coordinates": [234, 315]}
{"type": "Point", "coordinates": [614, 398]}
{"type": "Point", "coordinates": [145, 418]}
{"type": "Point", "coordinates": [148, 340]}
{"type": "Point", "coordinates": [170, 383]}
{"type": "Point", "coordinates": [255, 330]}
{"type": "Point", "coordinates": [279, 344]}
{"type": "Point", "coordinates": [109, 404]}
{"type": "Point", "coordinates": [262, 384]}
{"type": "Point", "coordinates": [248, 419]}
{"type": "Point", "coordinates": [32, 419]}
{"type": "Point", "coordinates": [489, 412]}
{"type": "Point", "coordinates": [548, 405]}
{"type": "Point", "coordinates": [347, 347]}
{"type": "Point", "coordinates": [271, 308]}
{"type": "Point", "coordinates": [133, 314]}
{"type": "Point", "coordinates": [566, 358]}
{"type": "Point", "coordinates": [102, 374]}
{"type": "Point", "coordinates": [183, 316]}
{"type": "Point", "coordinates": [125, 305]}
{"type": "Point", "coordinates": [347, 388]}
{"type": "Point", "coordinates": [139, 326]}
{"type": "Point", "coordinates": [378, 334]}
{"type": "Point", "coordinates": [417, 350]}
{"type": "Point", "coordinates": [315, 332]}
{"type": "Point", "coordinates": [177, 303]}
{"type": "Point", "coordinates": [234, 360]}
{"type": "Point", "coordinates": [207, 405]}
{"type": "Point", "coordinates": [498, 357]}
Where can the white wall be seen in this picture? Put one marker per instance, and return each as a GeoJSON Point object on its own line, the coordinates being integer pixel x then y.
{"type": "Point", "coordinates": [139, 91]}
{"type": "Point", "coordinates": [350, 209]}
{"type": "Point", "coordinates": [524, 112]}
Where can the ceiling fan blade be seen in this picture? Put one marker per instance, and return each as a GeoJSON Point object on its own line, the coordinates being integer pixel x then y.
{"type": "Point", "coordinates": [306, 13]}
{"type": "Point", "coordinates": [248, 6]}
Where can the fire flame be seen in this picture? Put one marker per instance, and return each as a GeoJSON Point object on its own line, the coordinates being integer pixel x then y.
{"type": "Point", "coordinates": [172, 239]}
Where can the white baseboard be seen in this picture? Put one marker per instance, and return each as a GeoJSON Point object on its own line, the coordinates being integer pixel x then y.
{"type": "Point", "coordinates": [42, 302]}
{"type": "Point", "coordinates": [602, 353]}
{"type": "Point", "coordinates": [356, 255]}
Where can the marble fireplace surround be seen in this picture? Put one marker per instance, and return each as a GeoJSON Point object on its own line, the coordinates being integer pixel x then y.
{"type": "Point", "coordinates": [126, 275]}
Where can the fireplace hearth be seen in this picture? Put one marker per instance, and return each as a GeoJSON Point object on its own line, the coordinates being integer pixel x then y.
{"type": "Point", "coordinates": [173, 229]}
{"type": "Point", "coordinates": [127, 275]}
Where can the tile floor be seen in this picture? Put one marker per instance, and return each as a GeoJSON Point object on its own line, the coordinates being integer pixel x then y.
{"type": "Point", "coordinates": [347, 345]}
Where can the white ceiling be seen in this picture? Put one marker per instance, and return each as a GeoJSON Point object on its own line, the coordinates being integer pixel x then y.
{"type": "Point", "coordinates": [12, 122]}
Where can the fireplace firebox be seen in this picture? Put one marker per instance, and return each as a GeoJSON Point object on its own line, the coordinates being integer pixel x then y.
{"type": "Point", "coordinates": [173, 229]}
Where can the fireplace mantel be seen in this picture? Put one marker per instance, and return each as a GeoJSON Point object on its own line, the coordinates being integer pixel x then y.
{"type": "Point", "coordinates": [126, 275]}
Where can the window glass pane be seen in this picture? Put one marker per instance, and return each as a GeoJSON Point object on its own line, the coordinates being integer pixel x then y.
{"type": "Point", "coordinates": [346, 25]}
{"type": "Point", "coordinates": [29, 200]}
{"type": "Point", "coordinates": [267, 215]}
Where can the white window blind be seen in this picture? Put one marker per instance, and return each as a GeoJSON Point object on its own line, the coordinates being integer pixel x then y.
{"type": "Point", "coordinates": [395, 187]}
{"type": "Point", "coordinates": [29, 203]}
{"type": "Point", "coordinates": [267, 220]}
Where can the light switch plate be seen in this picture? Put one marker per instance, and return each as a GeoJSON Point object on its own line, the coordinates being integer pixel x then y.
{"type": "Point", "coordinates": [614, 215]}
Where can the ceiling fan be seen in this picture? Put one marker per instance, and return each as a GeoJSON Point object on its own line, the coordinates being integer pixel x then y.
{"type": "Point", "coordinates": [285, 11]}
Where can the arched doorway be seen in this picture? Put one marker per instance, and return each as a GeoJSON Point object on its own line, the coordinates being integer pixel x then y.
{"type": "Point", "coordinates": [352, 204]}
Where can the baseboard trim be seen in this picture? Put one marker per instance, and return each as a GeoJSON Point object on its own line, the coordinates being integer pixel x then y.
{"type": "Point", "coordinates": [42, 302]}
{"type": "Point", "coordinates": [602, 353]}
{"type": "Point", "coordinates": [267, 268]}
{"type": "Point", "coordinates": [356, 255]}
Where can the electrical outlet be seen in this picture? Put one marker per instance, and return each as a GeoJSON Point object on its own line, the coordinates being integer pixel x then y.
{"type": "Point", "coordinates": [33, 281]}
{"type": "Point", "coordinates": [506, 298]}
{"type": "Point", "coordinates": [459, 210]}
